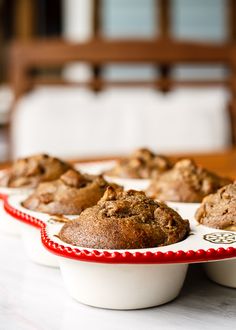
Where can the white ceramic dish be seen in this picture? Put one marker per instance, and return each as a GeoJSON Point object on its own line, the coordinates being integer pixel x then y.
{"type": "Point", "coordinates": [132, 279]}
{"type": "Point", "coordinates": [186, 210]}
{"type": "Point", "coordinates": [29, 227]}
{"type": "Point", "coordinates": [7, 224]}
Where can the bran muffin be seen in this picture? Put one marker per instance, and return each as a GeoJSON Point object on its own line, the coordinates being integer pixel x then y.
{"type": "Point", "coordinates": [185, 182]}
{"type": "Point", "coordinates": [125, 220]}
{"type": "Point", "coordinates": [29, 172]}
{"type": "Point", "coordinates": [70, 194]}
{"type": "Point", "coordinates": [142, 164]}
{"type": "Point", "coordinates": [218, 210]}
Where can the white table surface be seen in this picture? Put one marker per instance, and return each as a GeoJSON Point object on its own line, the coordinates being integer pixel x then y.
{"type": "Point", "coordinates": [32, 297]}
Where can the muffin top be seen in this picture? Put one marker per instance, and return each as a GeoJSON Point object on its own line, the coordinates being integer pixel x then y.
{"type": "Point", "coordinates": [125, 220]}
{"type": "Point", "coordinates": [185, 182]}
{"type": "Point", "coordinates": [142, 164]}
{"type": "Point", "coordinates": [219, 210]}
{"type": "Point", "coordinates": [28, 172]}
{"type": "Point", "coordinates": [70, 194]}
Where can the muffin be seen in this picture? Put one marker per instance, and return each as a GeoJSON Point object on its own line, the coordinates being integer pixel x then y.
{"type": "Point", "coordinates": [185, 182]}
{"type": "Point", "coordinates": [70, 194]}
{"type": "Point", "coordinates": [125, 220]}
{"type": "Point", "coordinates": [219, 210]}
{"type": "Point", "coordinates": [29, 172]}
{"type": "Point", "coordinates": [142, 164]}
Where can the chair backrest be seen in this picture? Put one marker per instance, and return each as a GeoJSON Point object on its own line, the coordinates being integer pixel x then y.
{"type": "Point", "coordinates": [29, 59]}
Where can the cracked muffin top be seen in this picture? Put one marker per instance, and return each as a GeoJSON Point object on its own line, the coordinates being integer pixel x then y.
{"type": "Point", "coordinates": [125, 220]}
{"type": "Point", "coordinates": [70, 194]}
{"type": "Point", "coordinates": [186, 182]}
{"type": "Point", "coordinates": [219, 210]}
{"type": "Point", "coordinates": [142, 164]}
{"type": "Point", "coordinates": [30, 171]}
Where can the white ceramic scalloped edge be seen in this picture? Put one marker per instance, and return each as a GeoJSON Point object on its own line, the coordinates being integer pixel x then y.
{"type": "Point", "coordinates": [31, 236]}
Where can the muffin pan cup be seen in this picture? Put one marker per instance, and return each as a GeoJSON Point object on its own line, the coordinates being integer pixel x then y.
{"type": "Point", "coordinates": [30, 224]}
{"type": "Point", "coordinates": [222, 272]}
{"type": "Point", "coordinates": [114, 284]}
{"type": "Point", "coordinates": [122, 286]}
{"type": "Point", "coordinates": [31, 239]}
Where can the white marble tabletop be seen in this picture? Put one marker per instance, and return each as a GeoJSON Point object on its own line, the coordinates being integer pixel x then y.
{"type": "Point", "coordinates": [32, 297]}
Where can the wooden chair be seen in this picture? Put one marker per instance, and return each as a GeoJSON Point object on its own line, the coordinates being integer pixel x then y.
{"type": "Point", "coordinates": [26, 58]}
{"type": "Point", "coordinates": [29, 58]}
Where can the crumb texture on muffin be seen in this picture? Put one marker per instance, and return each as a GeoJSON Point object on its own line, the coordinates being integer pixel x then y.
{"type": "Point", "coordinates": [185, 182]}
{"type": "Point", "coordinates": [219, 210]}
{"type": "Point", "coordinates": [28, 172]}
{"type": "Point", "coordinates": [70, 194]}
{"type": "Point", "coordinates": [142, 164]}
{"type": "Point", "coordinates": [125, 220]}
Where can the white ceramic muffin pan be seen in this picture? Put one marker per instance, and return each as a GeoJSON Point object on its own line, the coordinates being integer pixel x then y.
{"type": "Point", "coordinates": [126, 279]}
{"type": "Point", "coordinates": [29, 226]}
{"type": "Point", "coordinates": [7, 224]}
{"type": "Point", "coordinates": [132, 279]}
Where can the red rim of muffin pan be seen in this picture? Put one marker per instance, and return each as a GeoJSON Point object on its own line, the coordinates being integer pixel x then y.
{"type": "Point", "coordinates": [23, 217]}
{"type": "Point", "coordinates": [3, 196]}
{"type": "Point", "coordinates": [109, 256]}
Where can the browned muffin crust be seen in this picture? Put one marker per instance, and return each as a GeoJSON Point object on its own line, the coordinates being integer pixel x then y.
{"type": "Point", "coordinates": [70, 194]}
{"type": "Point", "coordinates": [219, 210]}
{"type": "Point", "coordinates": [142, 164]}
{"type": "Point", "coordinates": [28, 172]}
{"type": "Point", "coordinates": [125, 220]}
{"type": "Point", "coordinates": [185, 182]}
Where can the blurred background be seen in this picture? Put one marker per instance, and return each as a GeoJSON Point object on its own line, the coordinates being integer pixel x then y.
{"type": "Point", "coordinates": [82, 78]}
